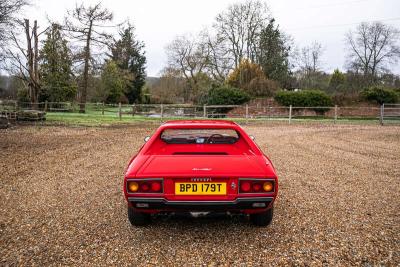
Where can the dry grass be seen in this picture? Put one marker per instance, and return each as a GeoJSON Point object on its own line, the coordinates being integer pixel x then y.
{"type": "Point", "coordinates": [62, 202]}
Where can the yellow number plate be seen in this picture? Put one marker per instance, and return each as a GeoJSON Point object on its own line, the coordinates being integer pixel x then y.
{"type": "Point", "coordinates": [200, 188]}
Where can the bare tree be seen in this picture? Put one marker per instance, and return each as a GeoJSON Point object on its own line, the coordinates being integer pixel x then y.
{"type": "Point", "coordinates": [84, 23]}
{"type": "Point", "coordinates": [219, 63]}
{"type": "Point", "coordinates": [240, 27]}
{"type": "Point", "coordinates": [24, 61]}
{"type": "Point", "coordinates": [169, 88]}
{"type": "Point", "coordinates": [308, 65]}
{"type": "Point", "coordinates": [8, 21]}
{"type": "Point", "coordinates": [309, 59]}
{"type": "Point", "coordinates": [372, 47]}
{"type": "Point", "coordinates": [190, 56]}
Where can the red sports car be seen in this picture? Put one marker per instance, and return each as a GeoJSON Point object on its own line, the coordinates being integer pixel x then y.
{"type": "Point", "coordinates": [200, 165]}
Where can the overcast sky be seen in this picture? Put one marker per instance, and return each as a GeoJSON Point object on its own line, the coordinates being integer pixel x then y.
{"type": "Point", "coordinates": [158, 22]}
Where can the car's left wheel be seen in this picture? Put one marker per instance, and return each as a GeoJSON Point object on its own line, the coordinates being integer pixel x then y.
{"type": "Point", "coordinates": [138, 218]}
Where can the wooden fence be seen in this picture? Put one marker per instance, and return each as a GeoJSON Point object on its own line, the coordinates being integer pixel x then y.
{"type": "Point", "coordinates": [382, 114]}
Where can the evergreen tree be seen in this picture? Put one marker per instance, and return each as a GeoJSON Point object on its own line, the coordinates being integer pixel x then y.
{"type": "Point", "coordinates": [337, 81]}
{"type": "Point", "coordinates": [128, 53]}
{"type": "Point", "coordinates": [55, 68]}
{"type": "Point", "coordinates": [113, 83]}
{"type": "Point", "coordinates": [274, 54]}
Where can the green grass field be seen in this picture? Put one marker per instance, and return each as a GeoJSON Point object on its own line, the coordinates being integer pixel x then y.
{"type": "Point", "coordinates": [93, 118]}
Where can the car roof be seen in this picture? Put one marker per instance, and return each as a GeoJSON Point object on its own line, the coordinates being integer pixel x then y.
{"type": "Point", "coordinates": [202, 123]}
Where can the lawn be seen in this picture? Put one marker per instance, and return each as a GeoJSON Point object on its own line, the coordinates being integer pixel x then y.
{"type": "Point", "coordinates": [95, 118]}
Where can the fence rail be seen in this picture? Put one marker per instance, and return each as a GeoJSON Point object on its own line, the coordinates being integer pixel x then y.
{"type": "Point", "coordinates": [386, 113]}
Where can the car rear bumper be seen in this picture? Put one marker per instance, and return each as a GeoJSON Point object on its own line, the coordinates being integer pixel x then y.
{"type": "Point", "coordinates": [238, 204]}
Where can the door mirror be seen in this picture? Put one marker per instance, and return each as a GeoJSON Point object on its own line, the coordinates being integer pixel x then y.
{"type": "Point", "coordinates": [147, 138]}
{"type": "Point", "coordinates": [252, 137]}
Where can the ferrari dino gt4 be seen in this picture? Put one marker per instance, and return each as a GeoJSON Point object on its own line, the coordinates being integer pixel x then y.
{"type": "Point", "coordinates": [200, 165]}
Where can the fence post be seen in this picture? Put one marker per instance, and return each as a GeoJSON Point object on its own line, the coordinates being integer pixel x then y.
{"type": "Point", "coordinates": [382, 113]}
{"type": "Point", "coordinates": [247, 113]}
{"type": "Point", "coordinates": [102, 108]}
{"type": "Point", "coordinates": [120, 111]}
{"type": "Point", "coordinates": [162, 111]}
{"type": "Point", "coordinates": [270, 113]}
{"type": "Point", "coordinates": [16, 105]}
{"type": "Point", "coordinates": [133, 110]}
{"type": "Point", "coordinates": [290, 114]}
{"type": "Point", "coordinates": [204, 111]}
{"type": "Point", "coordinates": [45, 106]}
{"type": "Point", "coordinates": [335, 118]}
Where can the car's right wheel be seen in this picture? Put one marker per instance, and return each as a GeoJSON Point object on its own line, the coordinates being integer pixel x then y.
{"type": "Point", "coordinates": [138, 218]}
{"type": "Point", "coordinates": [263, 218]}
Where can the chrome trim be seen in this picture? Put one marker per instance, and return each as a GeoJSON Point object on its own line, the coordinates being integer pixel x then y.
{"type": "Point", "coordinates": [144, 179]}
{"type": "Point", "coordinates": [257, 179]}
{"type": "Point", "coordinates": [256, 199]}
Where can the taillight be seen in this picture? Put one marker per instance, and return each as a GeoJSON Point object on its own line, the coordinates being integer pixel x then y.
{"type": "Point", "coordinates": [268, 186]}
{"type": "Point", "coordinates": [256, 186]}
{"type": "Point", "coordinates": [156, 186]}
{"type": "Point", "coordinates": [245, 187]}
{"type": "Point", "coordinates": [144, 186]}
{"type": "Point", "coordinates": [133, 186]}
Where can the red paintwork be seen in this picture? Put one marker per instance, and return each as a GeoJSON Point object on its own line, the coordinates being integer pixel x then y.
{"type": "Point", "coordinates": [244, 159]}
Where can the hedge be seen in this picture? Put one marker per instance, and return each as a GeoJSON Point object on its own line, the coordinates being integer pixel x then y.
{"type": "Point", "coordinates": [380, 95]}
{"type": "Point", "coordinates": [226, 95]}
{"type": "Point", "coordinates": [307, 98]}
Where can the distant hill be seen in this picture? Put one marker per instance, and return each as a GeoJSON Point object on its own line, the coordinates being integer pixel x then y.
{"type": "Point", "coordinates": [152, 80]}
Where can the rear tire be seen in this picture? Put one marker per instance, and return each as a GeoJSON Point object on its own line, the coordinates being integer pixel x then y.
{"type": "Point", "coordinates": [263, 218]}
{"type": "Point", "coordinates": [138, 218]}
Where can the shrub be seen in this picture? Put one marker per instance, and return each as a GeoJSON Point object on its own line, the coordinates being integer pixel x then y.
{"type": "Point", "coordinates": [307, 98]}
{"type": "Point", "coordinates": [380, 95]}
{"type": "Point", "coordinates": [249, 77]}
{"type": "Point", "coordinates": [226, 95]}
{"type": "Point", "coordinates": [242, 75]}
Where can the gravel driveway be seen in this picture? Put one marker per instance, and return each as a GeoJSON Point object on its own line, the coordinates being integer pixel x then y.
{"type": "Point", "coordinates": [62, 202]}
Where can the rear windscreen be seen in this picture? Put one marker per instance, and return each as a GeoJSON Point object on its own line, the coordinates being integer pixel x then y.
{"type": "Point", "coordinates": [199, 136]}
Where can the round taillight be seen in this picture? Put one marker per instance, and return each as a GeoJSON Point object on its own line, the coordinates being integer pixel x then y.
{"type": "Point", "coordinates": [245, 186]}
{"type": "Point", "coordinates": [268, 186]}
{"type": "Point", "coordinates": [133, 186]}
{"type": "Point", "coordinates": [256, 187]}
{"type": "Point", "coordinates": [156, 186]}
{"type": "Point", "coordinates": [144, 187]}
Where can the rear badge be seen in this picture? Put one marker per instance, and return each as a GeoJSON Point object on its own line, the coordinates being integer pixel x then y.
{"type": "Point", "coordinates": [201, 180]}
{"type": "Point", "coordinates": [233, 185]}
{"type": "Point", "coordinates": [201, 169]}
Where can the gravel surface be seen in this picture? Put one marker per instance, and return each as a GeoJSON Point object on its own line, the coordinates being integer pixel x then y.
{"type": "Point", "coordinates": [62, 202]}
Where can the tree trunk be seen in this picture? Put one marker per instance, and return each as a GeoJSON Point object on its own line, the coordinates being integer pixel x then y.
{"type": "Point", "coordinates": [32, 58]}
{"type": "Point", "coordinates": [29, 54]}
{"type": "Point", "coordinates": [85, 72]}
{"type": "Point", "coordinates": [35, 62]}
